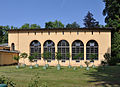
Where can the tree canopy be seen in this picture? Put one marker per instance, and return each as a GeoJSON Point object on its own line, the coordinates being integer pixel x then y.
{"type": "Point", "coordinates": [112, 13]}
{"type": "Point", "coordinates": [73, 25]}
{"type": "Point", "coordinates": [4, 34]}
{"type": "Point", "coordinates": [28, 26]}
{"type": "Point", "coordinates": [55, 24]}
{"type": "Point", "coordinates": [89, 21]}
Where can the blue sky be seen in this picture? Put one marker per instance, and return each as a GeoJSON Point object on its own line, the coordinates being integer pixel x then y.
{"type": "Point", "coordinates": [18, 12]}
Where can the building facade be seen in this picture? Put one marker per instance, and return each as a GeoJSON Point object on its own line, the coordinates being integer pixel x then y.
{"type": "Point", "coordinates": [6, 56]}
{"type": "Point", "coordinates": [84, 41]}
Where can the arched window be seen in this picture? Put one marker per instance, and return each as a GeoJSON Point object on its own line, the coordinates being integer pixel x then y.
{"type": "Point", "coordinates": [63, 48]}
{"type": "Point", "coordinates": [91, 48]}
{"type": "Point", "coordinates": [77, 48]}
{"type": "Point", "coordinates": [12, 46]}
{"type": "Point", "coordinates": [49, 46]}
{"type": "Point", "coordinates": [35, 47]}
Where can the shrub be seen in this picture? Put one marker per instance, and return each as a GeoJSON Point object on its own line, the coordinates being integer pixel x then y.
{"type": "Point", "coordinates": [17, 58]}
{"type": "Point", "coordinates": [35, 82]}
{"type": "Point", "coordinates": [87, 63]}
{"type": "Point", "coordinates": [7, 81]}
{"type": "Point", "coordinates": [58, 56]}
{"type": "Point", "coordinates": [110, 60]}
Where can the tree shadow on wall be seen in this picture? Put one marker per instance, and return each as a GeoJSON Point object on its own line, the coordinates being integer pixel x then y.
{"type": "Point", "coordinates": [108, 77]}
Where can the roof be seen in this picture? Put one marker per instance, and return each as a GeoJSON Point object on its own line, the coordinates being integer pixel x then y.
{"type": "Point", "coordinates": [9, 51]}
{"type": "Point", "coordinates": [61, 29]}
{"type": "Point", "coordinates": [4, 45]}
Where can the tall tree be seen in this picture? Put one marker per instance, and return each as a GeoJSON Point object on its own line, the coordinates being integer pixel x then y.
{"type": "Point", "coordinates": [55, 24]}
{"type": "Point", "coordinates": [112, 13]}
{"type": "Point", "coordinates": [1, 33]}
{"type": "Point", "coordinates": [4, 34]}
{"type": "Point", "coordinates": [89, 21]}
{"type": "Point", "coordinates": [73, 25]}
{"type": "Point", "coordinates": [116, 46]}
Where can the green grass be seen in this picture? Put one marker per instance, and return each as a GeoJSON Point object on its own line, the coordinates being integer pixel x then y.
{"type": "Point", "coordinates": [110, 77]}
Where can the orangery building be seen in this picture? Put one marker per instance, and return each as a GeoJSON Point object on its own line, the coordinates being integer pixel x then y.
{"type": "Point", "coordinates": [86, 41]}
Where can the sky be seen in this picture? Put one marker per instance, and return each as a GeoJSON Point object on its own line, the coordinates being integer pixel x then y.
{"type": "Point", "coordinates": [18, 12]}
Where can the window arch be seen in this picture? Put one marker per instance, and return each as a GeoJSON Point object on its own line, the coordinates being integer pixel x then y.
{"type": "Point", "coordinates": [91, 48]}
{"type": "Point", "coordinates": [13, 47]}
{"type": "Point", "coordinates": [63, 48]}
{"type": "Point", "coordinates": [35, 47]}
{"type": "Point", "coordinates": [49, 46]}
{"type": "Point", "coordinates": [77, 47]}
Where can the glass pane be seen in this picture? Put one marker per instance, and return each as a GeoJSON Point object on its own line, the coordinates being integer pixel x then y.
{"type": "Point", "coordinates": [91, 44]}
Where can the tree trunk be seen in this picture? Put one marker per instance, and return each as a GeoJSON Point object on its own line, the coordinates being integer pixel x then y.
{"type": "Point", "coordinates": [31, 63]}
{"type": "Point", "coordinates": [58, 61]}
{"type": "Point", "coordinates": [69, 61]}
{"type": "Point", "coordinates": [36, 62]}
{"type": "Point", "coordinates": [18, 62]}
{"type": "Point", "coordinates": [23, 61]}
{"type": "Point", "coordinates": [81, 62]}
{"type": "Point", "coordinates": [47, 61]}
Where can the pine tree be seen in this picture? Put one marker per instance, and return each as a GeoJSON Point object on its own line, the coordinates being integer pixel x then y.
{"type": "Point", "coordinates": [89, 21]}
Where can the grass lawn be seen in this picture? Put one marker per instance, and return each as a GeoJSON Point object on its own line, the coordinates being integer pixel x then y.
{"type": "Point", "coordinates": [110, 77]}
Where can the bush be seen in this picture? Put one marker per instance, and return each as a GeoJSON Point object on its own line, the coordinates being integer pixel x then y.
{"type": "Point", "coordinates": [7, 81]}
{"type": "Point", "coordinates": [87, 63]}
{"type": "Point", "coordinates": [110, 60]}
{"type": "Point", "coordinates": [35, 81]}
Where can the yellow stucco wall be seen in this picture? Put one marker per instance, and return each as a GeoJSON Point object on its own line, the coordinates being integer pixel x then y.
{"type": "Point", "coordinates": [6, 58]}
{"type": "Point", "coordinates": [22, 40]}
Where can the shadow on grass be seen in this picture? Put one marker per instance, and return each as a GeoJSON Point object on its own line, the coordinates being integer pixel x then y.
{"type": "Point", "coordinates": [108, 77]}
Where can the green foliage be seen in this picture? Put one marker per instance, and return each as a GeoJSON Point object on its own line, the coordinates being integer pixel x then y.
{"type": "Point", "coordinates": [2, 80]}
{"type": "Point", "coordinates": [28, 26]}
{"type": "Point", "coordinates": [35, 55]}
{"type": "Point", "coordinates": [112, 13]}
{"type": "Point", "coordinates": [116, 45]}
{"type": "Point", "coordinates": [55, 24]}
{"type": "Point", "coordinates": [1, 31]}
{"type": "Point", "coordinates": [58, 56]}
{"type": "Point", "coordinates": [107, 56]}
{"type": "Point", "coordinates": [1, 35]}
{"type": "Point", "coordinates": [46, 55]}
{"type": "Point", "coordinates": [12, 27]}
{"type": "Point", "coordinates": [110, 60]}
{"type": "Point", "coordinates": [68, 55]}
{"type": "Point", "coordinates": [34, 26]}
{"type": "Point", "coordinates": [24, 55]}
{"type": "Point", "coordinates": [4, 34]}
{"type": "Point", "coordinates": [89, 21]}
{"type": "Point", "coordinates": [35, 82]}
{"type": "Point", "coordinates": [16, 58]}
{"type": "Point", "coordinates": [87, 63]}
{"type": "Point", "coordinates": [92, 57]}
{"type": "Point", "coordinates": [103, 63]}
{"type": "Point", "coordinates": [73, 25]}
{"type": "Point", "coordinates": [78, 56]}
{"type": "Point", "coordinates": [25, 26]}
{"type": "Point", "coordinates": [5, 80]}
{"type": "Point", "coordinates": [31, 58]}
